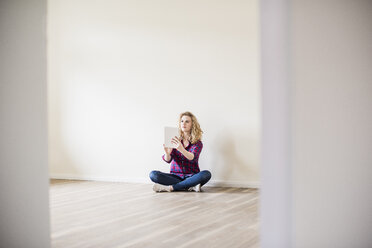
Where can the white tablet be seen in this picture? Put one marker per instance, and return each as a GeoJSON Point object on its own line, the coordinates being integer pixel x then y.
{"type": "Point", "coordinates": [169, 133]}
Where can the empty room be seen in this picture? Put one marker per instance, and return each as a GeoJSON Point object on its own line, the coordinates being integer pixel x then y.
{"type": "Point", "coordinates": [119, 74]}
{"type": "Point", "coordinates": [185, 123]}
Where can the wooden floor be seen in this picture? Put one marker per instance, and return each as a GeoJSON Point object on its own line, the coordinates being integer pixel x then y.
{"type": "Point", "coordinates": [105, 214]}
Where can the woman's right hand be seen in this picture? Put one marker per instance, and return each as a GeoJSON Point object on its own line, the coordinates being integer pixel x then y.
{"type": "Point", "coordinates": [168, 150]}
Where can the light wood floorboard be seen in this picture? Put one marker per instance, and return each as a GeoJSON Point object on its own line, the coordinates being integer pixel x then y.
{"type": "Point", "coordinates": [107, 214]}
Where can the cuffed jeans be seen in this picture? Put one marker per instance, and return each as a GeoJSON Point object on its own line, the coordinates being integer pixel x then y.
{"type": "Point", "coordinates": [179, 183]}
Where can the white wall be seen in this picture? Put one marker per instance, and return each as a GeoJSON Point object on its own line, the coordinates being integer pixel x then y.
{"type": "Point", "coordinates": [332, 100]}
{"type": "Point", "coordinates": [24, 201]}
{"type": "Point", "coordinates": [119, 71]}
{"type": "Point", "coordinates": [327, 54]}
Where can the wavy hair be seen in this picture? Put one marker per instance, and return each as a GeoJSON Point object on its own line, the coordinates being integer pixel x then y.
{"type": "Point", "coordinates": [196, 132]}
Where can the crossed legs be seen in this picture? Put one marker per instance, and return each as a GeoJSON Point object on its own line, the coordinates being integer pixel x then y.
{"type": "Point", "coordinates": [177, 183]}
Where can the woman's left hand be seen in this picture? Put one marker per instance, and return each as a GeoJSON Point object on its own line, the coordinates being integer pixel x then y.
{"type": "Point", "coordinates": [177, 143]}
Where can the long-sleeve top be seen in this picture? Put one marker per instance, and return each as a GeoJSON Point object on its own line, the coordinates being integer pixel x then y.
{"type": "Point", "coordinates": [182, 166]}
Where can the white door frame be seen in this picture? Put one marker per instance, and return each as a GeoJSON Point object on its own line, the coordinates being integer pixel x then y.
{"type": "Point", "coordinates": [275, 193]}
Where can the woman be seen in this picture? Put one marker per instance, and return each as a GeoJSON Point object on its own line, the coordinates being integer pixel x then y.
{"type": "Point", "coordinates": [184, 173]}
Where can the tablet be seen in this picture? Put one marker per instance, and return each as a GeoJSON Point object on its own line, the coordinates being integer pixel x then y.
{"type": "Point", "coordinates": [169, 133]}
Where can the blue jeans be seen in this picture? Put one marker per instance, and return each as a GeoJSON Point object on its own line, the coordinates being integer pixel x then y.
{"type": "Point", "coordinates": [179, 183]}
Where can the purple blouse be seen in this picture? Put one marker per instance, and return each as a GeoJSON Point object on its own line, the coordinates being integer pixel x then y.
{"type": "Point", "coordinates": [180, 165]}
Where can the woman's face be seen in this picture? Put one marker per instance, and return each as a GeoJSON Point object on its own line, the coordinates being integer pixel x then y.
{"type": "Point", "coordinates": [186, 123]}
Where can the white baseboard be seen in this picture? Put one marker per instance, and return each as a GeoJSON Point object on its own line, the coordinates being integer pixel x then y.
{"type": "Point", "coordinates": [212, 183]}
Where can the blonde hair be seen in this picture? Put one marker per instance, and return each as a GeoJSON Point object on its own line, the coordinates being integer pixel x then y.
{"type": "Point", "coordinates": [196, 132]}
